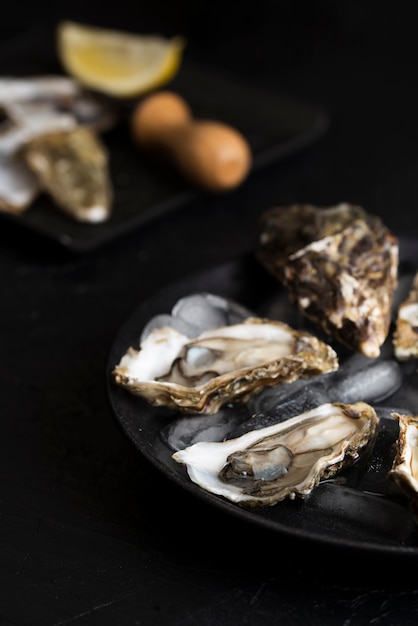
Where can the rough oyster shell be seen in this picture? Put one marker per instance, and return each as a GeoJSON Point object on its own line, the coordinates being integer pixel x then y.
{"type": "Point", "coordinates": [340, 267]}
{"type": "Point", "coordinates": [73, 167]}
{"type": "Point", "coordinates": [34, 107]}
{"type": "Point", "coordinates": [405, 336]}
{"type": "Point", "coordinates": [282, 231]}
{"type": "Point", "coordinates": [265, 466]}
{"type": "Point", "coordinates": [405, 464]}
{"type": "Point", "coordinates": [222, 364]}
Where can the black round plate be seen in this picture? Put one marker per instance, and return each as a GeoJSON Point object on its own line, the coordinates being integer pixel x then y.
{"type": "Point", "coordinates": [366, 513]}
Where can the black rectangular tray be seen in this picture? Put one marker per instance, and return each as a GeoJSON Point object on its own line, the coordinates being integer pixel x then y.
{"type": "Point", "coordinates": [276, 126]}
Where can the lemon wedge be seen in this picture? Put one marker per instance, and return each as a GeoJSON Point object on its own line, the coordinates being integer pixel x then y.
{"type": "Point", "coordinates": [117, 63]}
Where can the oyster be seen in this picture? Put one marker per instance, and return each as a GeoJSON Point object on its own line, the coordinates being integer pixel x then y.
{"type": "Point", "coordinates": [265, 466]}
{"type": "Point", "coordinates": [19, 186]}
{"type": "Point", "coordinates": [340, 267]}
{"type": "Point", "coordinates": [73, 168]}
{"type": "Point", "coordinates": [221, 364]}
{"type": "Point", "coordinates": [405, 336]}
{"type": "Point", "coordinates": [405, 464]}
{"type": "Point", "coordinates": [26, 99]}
{"type": "Point", "coordinates": [282, 231]}
{"type": "Point", "coordinates": [37, 106]}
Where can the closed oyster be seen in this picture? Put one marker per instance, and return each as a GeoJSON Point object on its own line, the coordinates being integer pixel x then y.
{"type": "Point", "coordinates": [72, 166]}
{"type": "Point", "coordinates": [285, 230]}
{"type": "Point", "coordinates": [289, 459]}
{"type": "Point", "coordinates": [220, 364]}
{"type": "Point", "coordinates": [340, 267]}
{"type": "Point", "coordinates": [405, 336]}
{"type": "Point", "coordinates": [405, 464]}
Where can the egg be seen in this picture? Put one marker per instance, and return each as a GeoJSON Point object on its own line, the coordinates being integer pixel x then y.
{"type": "Point", "coordinates": [211, 154]}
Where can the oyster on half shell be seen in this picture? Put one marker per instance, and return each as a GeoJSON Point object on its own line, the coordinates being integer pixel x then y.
{"type": "Point", "coordinates": [404, 471]}
{"type": "Point", "coordinates": [265, 466]}
{"type": "Point", "coordinates": [73, 167]}
{"type": "Point", "coordinates": [405, 336]}
{"type": "Point", "coordinates": [221, 364]}
{"type": "Point", "coordinates": [49, 141]}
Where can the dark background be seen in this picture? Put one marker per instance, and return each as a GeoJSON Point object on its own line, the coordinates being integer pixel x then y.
{"type": "Point", "coordinates": [249, 37]}
{"type": "Point", "coordinates": [90, 533]}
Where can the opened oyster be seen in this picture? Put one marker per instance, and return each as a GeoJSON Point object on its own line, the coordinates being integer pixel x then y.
{"type": "Point", "coordinates": [405, 337]}
{"type": "Point", "coordinates": [405, 464]}
{"type": "Point", "coordinates": [265, 466]}
{"type": "Point", "coordinates": [198, 373]}
{"type": "Point", "coordinates": [340, 266]}
{"type": "Point", "coordinates": [49, 141]}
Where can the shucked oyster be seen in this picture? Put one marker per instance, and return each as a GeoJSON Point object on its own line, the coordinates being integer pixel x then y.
{"type": "Point", "coordinates": [33, 100]}
{"type": "Point", "coordinates": [265, 466]}
{"type": "Point", "coordinates": [220, 364]}
{"type": "Point", "coordinates": [405, 337]}
{"type": "Point", "coordinates": [19, 186]}
{"type": "Point", "coordinates": [285, 230]}
{"type": "Point", "coordinates": [405, 464]}
{"type": "Point", "coordinates": [340, 266]}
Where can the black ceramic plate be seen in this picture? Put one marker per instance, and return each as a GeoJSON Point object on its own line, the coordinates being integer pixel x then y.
{"type": "Point", "coordinates": [366, 513]}
{"type": "Point", "coordinates": [276, 126]}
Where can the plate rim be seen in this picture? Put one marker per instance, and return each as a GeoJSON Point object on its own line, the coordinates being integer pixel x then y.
{"type": "Point", "coordinates": [177, 288]}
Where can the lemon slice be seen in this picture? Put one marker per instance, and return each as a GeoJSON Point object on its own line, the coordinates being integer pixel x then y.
{"type": "Point", "coordinates": [117, 63]}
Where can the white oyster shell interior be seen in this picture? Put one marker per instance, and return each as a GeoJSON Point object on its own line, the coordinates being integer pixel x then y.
{"type": "Point", "coordinates": [405, 464]}
{"type": "Point", "coordinates": [262, 467]}
{"type": "Point", "coordinates": [405, 336]}
{"type": "Point", "coordinates": [221, 364]}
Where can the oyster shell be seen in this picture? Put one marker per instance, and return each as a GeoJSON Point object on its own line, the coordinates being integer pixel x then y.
{"type": "Point", "coordinates": [72, 166]}
{"type": "Point", "coordinates": [19, 186]}
{"type": "Point", "coordinates": [282, 231]}
{"type": "Point", "coordinates": [405, 336]}
{"type": "Point", "coordinates": [28, 99]}
{"type": "Point", "coordinates": [219, 365]}
{"type": "Point", "coordinates": [265, 466]}
{"type": "Point", "coordinates": [340, 267]}
{"type": "Point", "coordinates": [34, 107]}
{"type": "Point", "coordinates": [405, 464]}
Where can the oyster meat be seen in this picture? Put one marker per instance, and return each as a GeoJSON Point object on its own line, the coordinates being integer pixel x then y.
{"type": "Point", "coordinates": [285, 460]}
{"type": "Point", "coordinates": [405, 336]}
{"type": "Point", "coordinates": [405, 464]}
{"type": "Point", "coordinates": [340, 267]}
{"type": "Point", "coordinates": [221, 364]}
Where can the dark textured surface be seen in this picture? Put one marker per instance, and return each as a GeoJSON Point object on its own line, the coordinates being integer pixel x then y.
{"type": "Point", "coordinates": [90, 532]}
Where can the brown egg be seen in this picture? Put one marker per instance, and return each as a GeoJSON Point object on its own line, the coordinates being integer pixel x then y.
{"type": "Point", "coordinates": [210, 154]}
